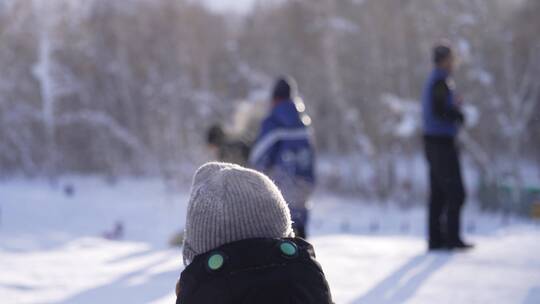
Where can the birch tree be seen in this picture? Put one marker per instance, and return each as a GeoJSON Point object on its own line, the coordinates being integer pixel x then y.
{"type": "Point", "coordinates": [45, 12]}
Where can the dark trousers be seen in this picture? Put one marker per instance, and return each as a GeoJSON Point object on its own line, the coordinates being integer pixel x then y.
{"type": "Point", "coordinates": [447, 193]}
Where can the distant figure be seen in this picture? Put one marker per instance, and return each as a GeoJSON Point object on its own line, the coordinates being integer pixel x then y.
{"type": "Point", "coordinates": [227, 149]}
{"type": "Point", "coordinates": [442, 118]}
{"type": "Point", "coordinates": [246, 120]}
{"type": "Point", "coordinates": [69, 190]}
{"type": "Point", "coordinates": [284, 151]}
{"type": "Point", "coordinates": [239, 244]}
{"type": "Point", "coordinates": [231, 145]}
{"type": "Point", "coordinates": [117, 233]}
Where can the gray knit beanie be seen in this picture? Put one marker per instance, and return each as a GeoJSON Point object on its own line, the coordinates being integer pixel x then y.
{"type": "Point", "coordinates": [230, 203]}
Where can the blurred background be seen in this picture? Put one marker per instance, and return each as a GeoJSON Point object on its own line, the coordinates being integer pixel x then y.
{"type": "Point", "coordinates": [129, 88]}
{"type": "Point", "coordinates": [110, 101]}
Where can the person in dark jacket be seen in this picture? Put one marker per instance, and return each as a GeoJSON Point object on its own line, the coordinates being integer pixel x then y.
{"type": "Point", "coordinates": [442, 118]}
{"type": "Point", "coordinates": [239, 244]}
{"type": "Point", "coordinates": [284, 151]}
{"type": "Point", "coordinates": [227, 149]}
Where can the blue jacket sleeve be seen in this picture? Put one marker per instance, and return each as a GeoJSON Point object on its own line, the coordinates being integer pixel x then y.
{"type": "Point", "coordinates": [263, 153]}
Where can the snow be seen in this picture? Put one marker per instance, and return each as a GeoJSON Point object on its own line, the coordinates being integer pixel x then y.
{"type": "Point", "coordinates": [408, 115]}
{"type": "Point", "coordinates": [484, 77]}
{"type": "Point", "coordinates": [51, 250]}
{"type": "Point", "coordinates": [472, 115]}
{"type": "Point", "coordinates": [464, 49]}
{"type": "Point", "coordinates": [397, 270]}
{"type": "Point", "coordinates": [343, 25]}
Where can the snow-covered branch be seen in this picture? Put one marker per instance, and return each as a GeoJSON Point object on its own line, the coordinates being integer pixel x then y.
{"type": "Point", "coordinates": [102, 120]}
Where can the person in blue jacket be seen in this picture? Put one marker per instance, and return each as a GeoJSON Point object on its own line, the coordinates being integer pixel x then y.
{"type": "Point", "coordinates": [284, 151]}
{"type": "Point", "coordinates": [442, 118]}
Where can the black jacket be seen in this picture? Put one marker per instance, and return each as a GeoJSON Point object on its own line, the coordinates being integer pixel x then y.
{"type": "Point", "coordinates": [234, 151]}
{"type": "Point", "coordinates": [440, 95]}
{"type": "Point", "coordinates": [256, 271]}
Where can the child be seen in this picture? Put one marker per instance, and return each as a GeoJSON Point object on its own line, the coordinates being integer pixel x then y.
{"type": "Point", "coordinates": [284, 151]}
{"type": "Point", "coordinates": [239, 244]}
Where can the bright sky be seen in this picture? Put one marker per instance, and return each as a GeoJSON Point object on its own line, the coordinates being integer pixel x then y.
{"type": "Point", "coordinates": [244, 5]}
{"type": "Point", "coordinates": [226, 5]}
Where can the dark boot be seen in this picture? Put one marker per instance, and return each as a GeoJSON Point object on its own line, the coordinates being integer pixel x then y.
{"type": "Point", "coordinates": [460, 245]}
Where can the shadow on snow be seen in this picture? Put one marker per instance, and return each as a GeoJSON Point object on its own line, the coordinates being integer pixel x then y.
{"type": "Point", "coordinates": [403, 283]}
{"type": "Point", "coordinates": [139, 286]}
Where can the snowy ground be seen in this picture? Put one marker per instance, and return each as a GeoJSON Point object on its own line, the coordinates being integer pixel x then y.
{"type": "Point", "coordinates": [51, 250]}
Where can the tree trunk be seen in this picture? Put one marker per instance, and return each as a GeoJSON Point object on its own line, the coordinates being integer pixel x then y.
{"type": "Point", "coordinates": [42, 72]}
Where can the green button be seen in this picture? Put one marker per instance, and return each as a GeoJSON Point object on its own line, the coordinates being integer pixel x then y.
{"type": "Point", "coordinates": [288, 249]}
{"type": "Point", "coordinates": [215, 262]}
